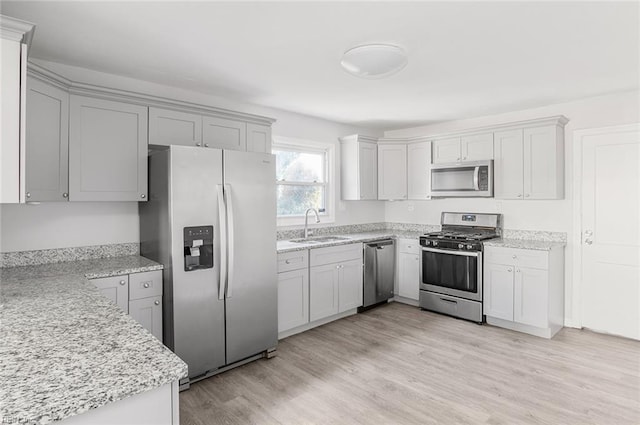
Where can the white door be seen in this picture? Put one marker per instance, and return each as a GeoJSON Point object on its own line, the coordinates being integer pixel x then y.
{"type": "Point", "coordinates": [148, 312]}
{"type": "Point", "coordinates": [323, 291]}
{"type": "Point", "coordinates": [530, 297]}
{"type": "Point", "coordinates": [116, 288]}
{"type": "Point", "coordinates": [392, 171]}
{"type": "Point", "coordinates": [224, 134]}
{"type": "Point", "coordinates": [258, 138]}
{"type": "Point", "coordinates": [477, 147]}
{"type": "Point", "coordinates": [409, 276]}
{"type": "Point", "coordinates": [169, 127]}
{"type": "Point", "coordinates": [446, 150]}
{"type": "Point", "coordinates": [368, 170]}
{"type": "Point", "coordinates": [611, 229]}
{"type": "Point", "coordinates": [350, 285]}
{"type": "Point", "coordinates": [508, 164]}
{"type": "Point", "coordinates": [418, 172]}
{"type": "Point", "coordinates": [293, 299]}
{"type": "Point", "coordinates": [498, 291]}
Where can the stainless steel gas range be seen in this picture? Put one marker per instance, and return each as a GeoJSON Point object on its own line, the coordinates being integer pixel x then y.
{"type": "Point", "coordinates": [451, 264]}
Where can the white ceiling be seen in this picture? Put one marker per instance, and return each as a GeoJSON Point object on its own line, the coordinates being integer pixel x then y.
{"type": "Point", "coordinates": [465, 59]}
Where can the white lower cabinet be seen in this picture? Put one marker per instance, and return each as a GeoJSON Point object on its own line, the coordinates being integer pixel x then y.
{"type": "Point", "coordinates": [324, 291]}
{"type": "Point", "coordinates": [350, 289]}
{"type": "Point", "coordinates": [408, 269]}
{"type": "Point", "coordinates": [524, 289]}
{"type": "Point", "coordinates": [293, 299]}
{"type": "Point", "coordinates": [139, 294]}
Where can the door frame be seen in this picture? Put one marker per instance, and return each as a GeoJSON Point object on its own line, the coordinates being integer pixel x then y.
{"type": "Point", "coordinates": [577, 287]}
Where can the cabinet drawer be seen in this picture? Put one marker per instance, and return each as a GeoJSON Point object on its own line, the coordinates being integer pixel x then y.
{"type": "Point", "coordinates": [295, 260]}
{"type": "Point", "coordinates": [144, 285]}
{"type": "Point", "coordinates": [409, 246]}
{"type": "Point", "coordinates": [517, 257]}
{"type": "Point", "coordinates": [335, 254]}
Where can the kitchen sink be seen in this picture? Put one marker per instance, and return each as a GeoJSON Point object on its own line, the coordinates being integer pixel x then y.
{"type": "Point", "coordinates": [319, 239]}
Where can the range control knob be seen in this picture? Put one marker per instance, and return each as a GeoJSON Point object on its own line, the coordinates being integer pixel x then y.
{"type": "Point", "coordinates": [469, 246]}
{"type": "Point", "coordinates": [434, 243]}
{"type": "Point", "coordinates": [460, 246]}
{"type": "Point", "coordinates": [427, 243]}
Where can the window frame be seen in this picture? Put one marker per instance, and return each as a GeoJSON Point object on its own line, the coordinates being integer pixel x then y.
{"type": "Point", "coordinates": [301, 145]}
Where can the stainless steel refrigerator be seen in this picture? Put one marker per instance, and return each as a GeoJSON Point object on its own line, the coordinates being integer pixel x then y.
{"type": "Point", "coordinates": [211, 220]}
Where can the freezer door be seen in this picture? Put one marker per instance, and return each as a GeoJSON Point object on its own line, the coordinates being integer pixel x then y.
{"type": "Point", "coordinates": [251, 296]}
{"type": "Point", "coordinates": [197, 316]}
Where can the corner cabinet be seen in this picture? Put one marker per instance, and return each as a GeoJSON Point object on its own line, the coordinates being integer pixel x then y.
{"type": "Point", "coordinates": [392, 171]}
{"type": "Point", "coordinates": [139, 295]}
{"type": "Point", "coordinates": [524, 289]}
{"type": "Point", "coordinates": [107, 150]}
{"type": "Point", "coordinates": [14, 35]}
{"type": "Point", "coordinates": [529, 162]}
{"type": "Point", "coordinates": [358, 168]}
{"type": "Point", "coordinates": [47, 142]}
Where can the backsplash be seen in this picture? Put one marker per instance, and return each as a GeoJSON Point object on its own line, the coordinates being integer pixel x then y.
{"type": "Point", "coordinates": [357, 228]}
{"type": "Point", "coordinates": [534, 235]}
{"type": "Point", "coordinates": [61, 255]}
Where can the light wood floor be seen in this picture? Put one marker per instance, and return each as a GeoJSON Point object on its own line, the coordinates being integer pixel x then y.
{"type": "Point", "coordinates": [398, 365]}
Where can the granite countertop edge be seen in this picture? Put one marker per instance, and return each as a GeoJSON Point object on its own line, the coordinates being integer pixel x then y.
{"type": "Point", "coordinates": [288, 246]}
{"type": "Point", "coordinates": [81, 332]}
{"type": "Point", "coordinates": [525, 244]}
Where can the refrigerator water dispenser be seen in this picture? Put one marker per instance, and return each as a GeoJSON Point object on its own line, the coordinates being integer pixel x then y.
{"type": "Point", "coordinates": [198, 248]}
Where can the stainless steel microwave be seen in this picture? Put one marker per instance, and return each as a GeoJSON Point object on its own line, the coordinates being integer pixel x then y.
{"type": "Point", "coordinates": [470, 179]}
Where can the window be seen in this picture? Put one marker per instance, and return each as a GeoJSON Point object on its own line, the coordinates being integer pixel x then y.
{"type": "Point", "coordinates": [302, 179]}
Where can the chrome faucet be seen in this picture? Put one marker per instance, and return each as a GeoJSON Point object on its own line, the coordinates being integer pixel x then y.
{"type": "Point", "coordinates": [306, 221]}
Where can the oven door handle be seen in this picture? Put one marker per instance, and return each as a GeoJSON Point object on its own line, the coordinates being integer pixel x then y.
{"type": "Point", "coordinates": [452, 252]}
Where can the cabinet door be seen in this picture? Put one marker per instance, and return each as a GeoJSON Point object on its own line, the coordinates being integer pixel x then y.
{"type": "Point", "coordinates": [543, 169]}
{"type": "Point", "coordinates": [350, 285]}
{"type": "Point", "coordinates": [167, 127]}
{"type": "Point", "coordinates": [531, 297]}
{"type": "Point", "coordinates": [148, 312]}
{"type": "Point", "coordinates": [293, 299]}
{"type": "Point", "coordinates": [116, 288]}
{"type": "Point", "coordinates": [418, 173]}
{"type": "Point", "coordinates": [107, 150]}
{"type": "Point", "coordinates": [498, 291]}
{"type": "Point", "coordinates": [258, 138]}
{"type": "Point", "coordinates": [477, 147]}
{"type": "Point", "coordinates": [446, 150]}
{"type": "Point", "coordinates": [224, 134]}
{"type": "Point", "coordinates": [508, 165]}
{"type": "Point", "coordinates": [47, 142]}
{"type": "Point", "coordinates": [13, 63]}
{"type": "Point", "coordinates": [323, 291]}
{"type": "Point", "coordinates": [368, 170]}
{"type": "Point", "coordinates": [409, 276]}
{"type": "Point", "coordinates": [392, 171]}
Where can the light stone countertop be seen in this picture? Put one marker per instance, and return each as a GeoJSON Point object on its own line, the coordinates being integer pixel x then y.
{"type": "Point", "coordinates": [288, 246]}
{"type": "Point", "coordinates": [524, 244]}
{"type": "Point", "coordinates": [67, 349]}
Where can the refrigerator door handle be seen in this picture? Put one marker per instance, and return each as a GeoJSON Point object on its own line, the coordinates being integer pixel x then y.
{"type": "Point", "coordinates": [222, 214]}
{"type": "Point", "coordinates": [230, 244]}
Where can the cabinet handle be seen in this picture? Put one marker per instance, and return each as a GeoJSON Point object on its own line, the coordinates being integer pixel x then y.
{"type": "Point", "coordinates": [527, 195]}
{"type": "Point", "coordinates": [514, 256]}
{"type": "Point", "coordinates": [464, 157]}
{"type": "Point", "coordinates": [519, 195]}
{"type": "Point", "coordinates": [146, 284]}
{"type": "Point", "coordinates": [156, 302]}
{"type": "Point", "coordinates": [143, 196]}
{"type": "Point", "coordinates": [65, 195]}
{"type": "Point", "coordinates": [518, 270]}
{"type": "Point", "coordinates": [206, 145]}
{"type": "Point", "coordinates": [198, 144]}
{"type": "Point", "coordinates": [122, 282]}
{"type": "Point", "coordinates": [287, 261]}
{"type": "Point", "coordinates": [509, 270]}
{"type": "Point", "coordinates": [28, 194]}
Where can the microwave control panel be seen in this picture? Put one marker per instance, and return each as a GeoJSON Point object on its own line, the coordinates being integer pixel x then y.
{"type": "Point", "coordinates": [483, 178]}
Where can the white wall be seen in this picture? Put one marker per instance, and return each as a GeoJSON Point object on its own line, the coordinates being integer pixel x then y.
{"type": "Point", "coordinates": [52, 225]}
{"type": "Point", "coordinates": [601, 111]}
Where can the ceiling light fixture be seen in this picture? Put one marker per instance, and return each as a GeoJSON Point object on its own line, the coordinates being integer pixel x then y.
{"type": "Point", "coordinates": [374, 60]}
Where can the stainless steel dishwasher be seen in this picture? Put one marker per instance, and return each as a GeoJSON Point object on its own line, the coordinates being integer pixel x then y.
{"type": "Point", "coordinates": [379, 271]}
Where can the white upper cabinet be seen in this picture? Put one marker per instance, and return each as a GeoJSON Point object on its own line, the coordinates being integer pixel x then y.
{"type": "Point", "coordinates": [47, 142]}
{"type": "Point", "coordinates": [392, 171]}
{"type": "Point", "coordinates": [107, 150]}
{"type": "Point", "coordinates": [529, 162]}
{"type": "Point", "coordinates": [358, 168]}
{"type": "Point", "coordinates": [508, 165]}
{"type": "Point", "coordinates": [418, 173]}
{"type": "Point", "coordinates": [222, 133]}
{"type": "Point", "coordinates": [475, 147]}
{"type": "Point", "coordinates": [258, 138]}
{"type": "Point", "coordinates": [13, 67]}
{"type": "Point", "coordinates": [169, 127]}
{"type": "Point", "coordinates": [446, 150]}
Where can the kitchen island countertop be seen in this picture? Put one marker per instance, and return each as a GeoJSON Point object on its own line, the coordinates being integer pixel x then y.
{"type": "Point", "coordinates": [67, 349]}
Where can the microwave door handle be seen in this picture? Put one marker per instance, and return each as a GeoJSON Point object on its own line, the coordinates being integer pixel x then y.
{"type": "Point", "coordinates": [476, 178]}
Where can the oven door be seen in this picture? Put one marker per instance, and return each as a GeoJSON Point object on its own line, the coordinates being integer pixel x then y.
{"type": "Point", "coordinates": [456, 273]}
